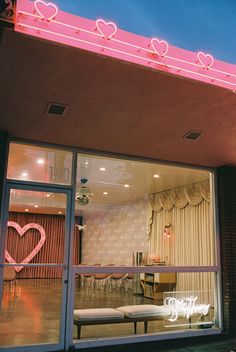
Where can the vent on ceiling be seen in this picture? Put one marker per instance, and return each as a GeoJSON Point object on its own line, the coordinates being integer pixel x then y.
{"type": "Point", "coordinates": [193, 135]}
{"type": "Point", "coordinates": [56, 109]}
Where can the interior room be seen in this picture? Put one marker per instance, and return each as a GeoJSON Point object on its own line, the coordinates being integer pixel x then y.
{"type": "Point", "coordinates": [127, 213]}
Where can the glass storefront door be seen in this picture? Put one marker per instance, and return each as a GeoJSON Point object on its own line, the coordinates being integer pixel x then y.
{"type": "Point", "coordinates": [34, 267]}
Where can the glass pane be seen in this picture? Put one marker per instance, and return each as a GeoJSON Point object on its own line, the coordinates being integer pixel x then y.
{"type": "Point", "coordinates": [36, 229]}
{"type": "Point", "coordinates": [30, 310]}
{"type": "Point", "coordinates": [32, 295]}
{"type": "Point", "coordinates": [113, 305]}
{"type": "Point", "coordinates": [31, 163]}
{"type": "Point", "coordinates": [130, 212]}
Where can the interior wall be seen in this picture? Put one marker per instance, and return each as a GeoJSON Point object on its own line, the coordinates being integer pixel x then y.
{"type": "Point", "coordinates": [111, 236]}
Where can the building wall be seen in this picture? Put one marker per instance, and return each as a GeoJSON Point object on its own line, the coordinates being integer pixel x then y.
{"type": "Point", "coordinates": [227, 217]}
{"type": "Point", "coordinates": [111, 236]}
{"type": "Point", "coordinates": [3, 161]}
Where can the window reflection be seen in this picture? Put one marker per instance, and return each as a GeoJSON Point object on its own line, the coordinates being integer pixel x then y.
{"type": "Point", "coordinates": [31, 163]}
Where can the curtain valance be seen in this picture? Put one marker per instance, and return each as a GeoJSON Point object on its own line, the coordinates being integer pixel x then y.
{"type": "Point", "coordinates": [180, 197]}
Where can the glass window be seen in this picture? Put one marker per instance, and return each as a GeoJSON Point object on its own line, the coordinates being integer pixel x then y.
{"type": "Point", "coordinates": [137, 221]}
{"type": "Point", "coordinates": [32, 307]}
{"type": "Point", "coordinates": [119, 304]}
{"type": "Point", "coordinates": [31, 163]}
{"type": "Point", "coordinates": [131, 212]}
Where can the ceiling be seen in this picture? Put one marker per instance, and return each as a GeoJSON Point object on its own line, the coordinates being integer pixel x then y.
{"type": "Point", "coordinates": [109, 182]}
{"type": "Point", "coordinates": [112, 106]}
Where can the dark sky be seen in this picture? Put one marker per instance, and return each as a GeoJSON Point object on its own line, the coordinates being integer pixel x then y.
{"type": "Point", "coordinates": [196, 25]}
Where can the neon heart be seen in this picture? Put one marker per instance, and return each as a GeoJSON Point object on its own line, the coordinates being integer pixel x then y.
{"type": "Point", "coordinates": [21, 231]}
{"type": "Point", "coordinates": [107, 29]}
{"type": "Point", "coordinates": [206, 60]}
{"type": "Point", "coordinates": [160, 47]}
{"type": "Point", "coordinates": [46, 10]}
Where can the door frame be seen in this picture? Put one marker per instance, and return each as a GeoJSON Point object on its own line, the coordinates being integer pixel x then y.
{"type": "Point", "coordinates": [67, 264]}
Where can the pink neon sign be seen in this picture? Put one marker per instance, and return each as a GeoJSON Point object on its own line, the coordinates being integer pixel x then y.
{"type": "Point", "coordinates": [107, 29]}
{"type": "Point", "coordinates": [47, 11]}
{"type": "Point", "coordinates": [160, 47]}
{"type": "Point", "coordinates": [205, 59]}
{"type": "Point", "coordinates": [21, 232]}
{"type": "Point", "coordinates": [44, 20]}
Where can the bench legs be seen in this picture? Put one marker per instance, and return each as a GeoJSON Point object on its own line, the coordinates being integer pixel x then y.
{"type": "Point", "coordinates": [135, 328]}
{"type": "Point", "coordinates": [78, 331]}
{"type": "Point", "coordinates": [145, 323]}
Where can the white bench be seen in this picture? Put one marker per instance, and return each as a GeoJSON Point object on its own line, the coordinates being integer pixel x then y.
{"type": "Point", "coordinates": [125, 314]}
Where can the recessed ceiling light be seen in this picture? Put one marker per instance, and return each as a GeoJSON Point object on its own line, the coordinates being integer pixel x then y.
{"type": "Point", "coordinates": [36, 206]}
{"type": "Point", "coordinates": [24, 174]}
{"type": "Point", "coordinates": [105, 193]}
{"type": "Point", "coordinates": [102, 169]}
{"type": "Point", "coordinates": [40, 161]}
{"type": "Point", "coordinates": [59, 212]}
{"type": "Point", "coordinates": [126, 186]}
{"type": "Point", "coordinates": [48, 195]}
{"type": "Point", "coordinates": [86, 162]}
{"type": "Point", "coordinates": [26, 209]}
{"type": "Point", "coordinates": [156, 176]}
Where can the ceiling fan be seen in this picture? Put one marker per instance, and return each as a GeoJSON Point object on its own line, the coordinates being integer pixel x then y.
{"type": "Point", "coordinates": [83, 195]}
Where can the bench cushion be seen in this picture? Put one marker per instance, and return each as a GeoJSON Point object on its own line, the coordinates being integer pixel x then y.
{"type": "Point", "coordinates": [98, 314]}
{"type": "Point", "coordinates": [144, 310]}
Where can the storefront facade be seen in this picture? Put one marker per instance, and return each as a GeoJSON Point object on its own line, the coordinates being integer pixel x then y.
{"type": "Point", "coordinates": [117, 246]}
{"type": "Point", "coordinates": [107, 242]}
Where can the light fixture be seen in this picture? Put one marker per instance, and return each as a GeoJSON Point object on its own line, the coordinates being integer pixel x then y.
{"type": "Point", "coordinates": [26, 209]}
{"type": "Point", "coordinates": [156, 176]}
{"type": "Point", "coordinates": [102, 169]}
{"type": "Point", "coordinates": [48, 195]}
{"type": "Point", "coordinates": [126, 185]}
{"type": "Point", "coordinates": [83, 195]}
{"type": "Point", "coordinates": [24, 174]}
{"type": "Point", "coordinates": [40, 161]}
{"type": "Point", "coordinates": [167, 231]}
{"type": "Point", "coordinates": [36, 206]}
{"type": "Point", "coordinates": [105, 193]}
{"type": "Point", "coordinates": [59, 212]}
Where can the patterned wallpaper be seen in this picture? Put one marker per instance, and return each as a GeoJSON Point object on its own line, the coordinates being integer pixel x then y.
{"type": "Point", "coordinates": [113, 235]}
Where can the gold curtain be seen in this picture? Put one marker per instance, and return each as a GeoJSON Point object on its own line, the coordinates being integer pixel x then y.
{"type": "Point", "coordinates": [180, 197]}
{"type": "Point", "coordinates": [191, 243]}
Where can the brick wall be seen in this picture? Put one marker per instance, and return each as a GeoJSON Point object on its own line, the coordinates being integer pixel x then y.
{"type": "Point", "coordinates": [227, 217]}
{"type": "Point", "coordinates": [3, 157]}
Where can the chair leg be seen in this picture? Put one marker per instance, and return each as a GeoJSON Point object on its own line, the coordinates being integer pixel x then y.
{"type": "Point", "coordinates": [145, 326]}
{"type": "Point", "coordinates": [135, 327]}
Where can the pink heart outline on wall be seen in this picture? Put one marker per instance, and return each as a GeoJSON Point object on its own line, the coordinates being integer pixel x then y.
{"type": "Point", "coordinates": [160, 47]}
{"type": "Point", "coordinates": [206, 60]}
{"type": "Point", "coordinates": [107, 29]}
{"type": "Point", "coordinates": [21, 231]}
{"type": "Point", "coordinates": [46, 11]}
